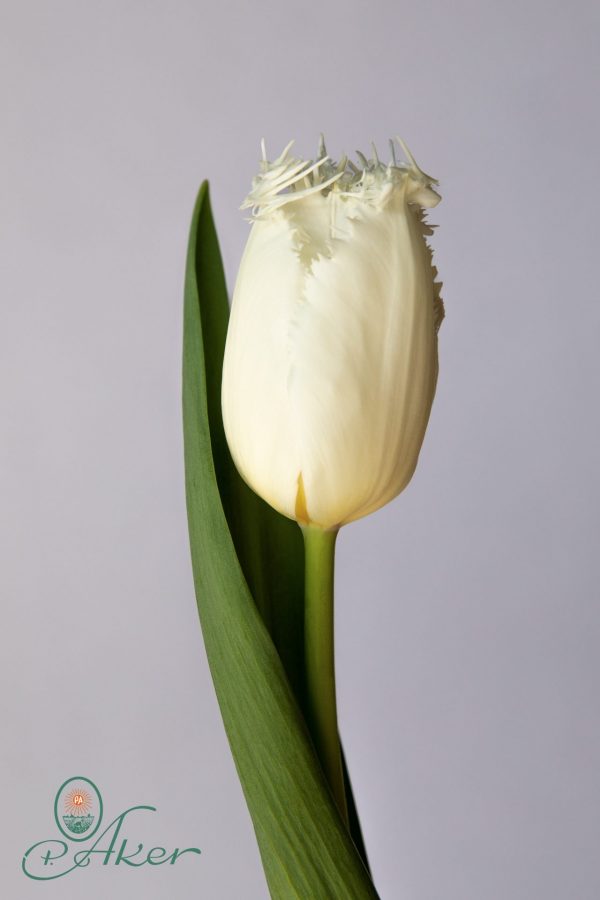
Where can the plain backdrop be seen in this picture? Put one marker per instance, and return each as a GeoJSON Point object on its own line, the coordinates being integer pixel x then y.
{"type": "Point", "coordinates": [467, 610]}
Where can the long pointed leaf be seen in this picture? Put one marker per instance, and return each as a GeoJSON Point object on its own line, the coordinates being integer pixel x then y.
{"type": "Point", "coordinates": [304, 845]}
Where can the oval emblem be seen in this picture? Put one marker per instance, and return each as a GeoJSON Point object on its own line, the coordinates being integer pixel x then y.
{"type": "Point", "coordinates": [78, 808]}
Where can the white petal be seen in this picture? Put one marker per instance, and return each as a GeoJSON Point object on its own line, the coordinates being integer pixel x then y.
{"type": "Point", "coordinates": [364, 363]}
{"type": "Point", "coordinates": [255, 402]}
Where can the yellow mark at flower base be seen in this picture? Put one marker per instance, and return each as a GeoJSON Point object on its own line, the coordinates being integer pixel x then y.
{"type": "Point", "coordinates": [301, 508]}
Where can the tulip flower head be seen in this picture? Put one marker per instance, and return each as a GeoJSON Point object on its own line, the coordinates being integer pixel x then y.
{"type": "Point", "coordinates": [331, 358]}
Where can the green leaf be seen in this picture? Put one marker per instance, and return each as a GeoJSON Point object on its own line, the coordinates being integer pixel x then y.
{"type": "Point", "coordinates": [305, 848]}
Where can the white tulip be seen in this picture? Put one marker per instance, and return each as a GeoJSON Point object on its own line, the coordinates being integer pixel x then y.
{"type": "Point", "coordinates": [331, 357]}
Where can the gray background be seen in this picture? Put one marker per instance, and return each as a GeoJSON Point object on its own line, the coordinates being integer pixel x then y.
{"type": "Point", "coordinates": [467, 626]}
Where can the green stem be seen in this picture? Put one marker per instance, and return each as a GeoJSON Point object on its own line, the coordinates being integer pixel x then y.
{"type": "Point", "coordinates": [319, 657]}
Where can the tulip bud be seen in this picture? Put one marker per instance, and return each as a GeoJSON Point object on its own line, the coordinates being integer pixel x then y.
{"type": "Point", "coordinates": [331, 358]}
